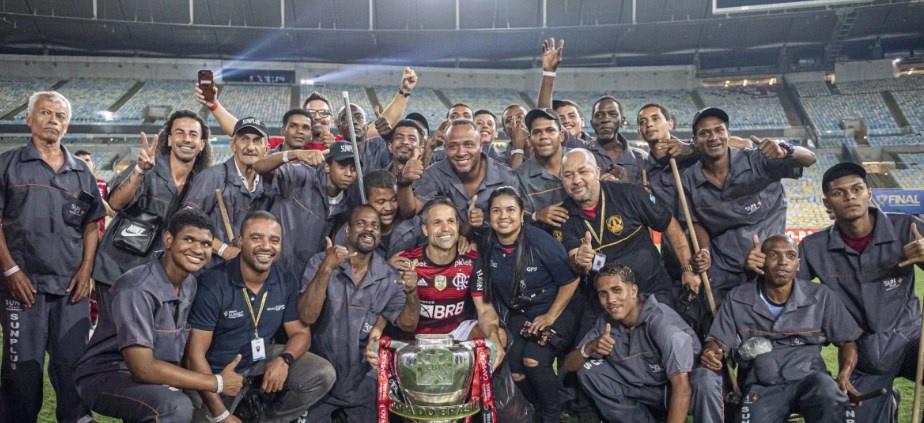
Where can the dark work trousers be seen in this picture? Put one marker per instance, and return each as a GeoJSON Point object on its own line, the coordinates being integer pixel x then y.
{"type": "Point", "coordinates": [54, 325]}
{"type": "Point", "coordinates": [310, 377]}
{"type": "Point", "coordinates": [542, 386]}
{"type": "Point", "coordinates": [816, 397]}
{"type": "Point", "coordinates": [116, 394]}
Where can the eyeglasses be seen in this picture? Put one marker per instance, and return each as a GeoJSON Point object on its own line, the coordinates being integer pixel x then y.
{"type": "Point", "coordinates": [319, 113]}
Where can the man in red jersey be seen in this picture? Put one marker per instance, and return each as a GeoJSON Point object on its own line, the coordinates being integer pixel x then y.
{"type": "Point", "coordinates": [444, 278]}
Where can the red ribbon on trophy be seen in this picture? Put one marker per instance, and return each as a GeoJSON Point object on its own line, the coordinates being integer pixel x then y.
{"type": "Point", "coordinates": [384, 399]}
{"type": "Point", "coordinates": [482, 380]}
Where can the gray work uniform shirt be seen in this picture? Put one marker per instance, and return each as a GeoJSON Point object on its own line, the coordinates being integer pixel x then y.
{"type": "Point", "coordinates": [43, 215]}
{"type": "Point", "coordinates": [540, 189]}
{"type": "Point", "coordinates": [156, 194]}
{"type": "Point", "coordinates": [878, 294]}
{"type": "Point", "coordinates": [375, 155]}
{"type": "Point", "coordinates": [305, 212]}
{"type": "Point", "coordinates": [238, 200]}
{"type": "Point", "coordinates": [659, 346]}
{"type": "Point", "coordinates": [342, 330]}
{"type": "Point", "coordinates": [441, 180]}
{"type": "Point", "coordinates": [751, 202]}
{"type": "Point", "coordinates": [664, 190]}
{"type": "Point", "coordinates": [145, 311]}
{"type": "Point", "coordinates": [632, 159]}
{"type": "Point", "coordinates": [811, 318]}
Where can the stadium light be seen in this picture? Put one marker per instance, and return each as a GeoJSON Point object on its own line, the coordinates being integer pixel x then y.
{"type": "Point", "coordinates": [307, 82]}
{"type": "Point", "coordinates": [107, 115]}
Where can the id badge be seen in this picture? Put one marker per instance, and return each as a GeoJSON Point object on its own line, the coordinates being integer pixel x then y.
{"type": "Point", "coordinates": [257, 349]}
{"type": "Point", "coordinates": [599, 262]}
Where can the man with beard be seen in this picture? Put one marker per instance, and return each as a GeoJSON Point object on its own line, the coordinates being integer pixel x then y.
{"type": "Point", "coordinates": [540, 176]}
{"type": "Point", "coordinates": [637, 361]}
{"type": "Point", "coordinates": [614, 154]}
{"type": "Point", "coordinates": [382, 194]}
{"type": "Point", "coordinates": [240, 306]}
{"type": "Point", "coordinates": [50, 205]}
{"type": "Point", "coordinates": [242, 189]}
{"type": "Point", "coordinates": [735, 194]}
{"type": "Point", "coordinates": [404, 145]}
{"type": "Point", "coordinates": [131, 370]}
{"type": "Point", "coordinates": [609, 222]}
{"type": "Point", "coordinates": [466, 176]}
{"type": "Point", "coordinates": [311, 201]}
{"type": "Point", "coordinates": [777, 327]}
{"type": "Point", "coordinates": [867, 258]}
{"type": "Point", "coordinates": [147, 195]}
{"type": "Point", "coordinates": [448, 275]}
{"type": "Point", "coordinates": [348, 291]}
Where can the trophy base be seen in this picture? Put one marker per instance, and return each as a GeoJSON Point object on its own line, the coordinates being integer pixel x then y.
{"type": "Point", "coordinates": [435, 413]}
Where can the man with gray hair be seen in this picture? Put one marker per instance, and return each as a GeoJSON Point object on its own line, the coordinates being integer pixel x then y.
{"type": "Point", "coordinates": [50, 206]}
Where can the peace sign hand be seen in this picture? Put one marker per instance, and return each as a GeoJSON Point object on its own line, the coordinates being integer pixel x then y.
{"type": "Point", "coordinates": [148, 153]}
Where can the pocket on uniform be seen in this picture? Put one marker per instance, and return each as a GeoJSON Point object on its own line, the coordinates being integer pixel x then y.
{"type": "Point", "coordinates": [169, 343]}
{"type": "Point", "coordinates": [73, 212]}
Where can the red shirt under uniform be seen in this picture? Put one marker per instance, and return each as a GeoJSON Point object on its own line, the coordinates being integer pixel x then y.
{"type": "Point", "coordinates": [443, 291]}
{"type": "Point", "coordinates": [103, 188]}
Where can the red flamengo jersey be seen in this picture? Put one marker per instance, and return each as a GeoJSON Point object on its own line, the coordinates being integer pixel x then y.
{"type": "Point", "coordinates": [443, 291]}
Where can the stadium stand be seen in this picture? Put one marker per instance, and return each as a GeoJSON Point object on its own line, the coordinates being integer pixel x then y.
{"type": "Point", "coordinates": [828, 113]}
{"type": "Point", "coordinates": [91, 97]}
{"type": "Point", "coordinates": [15, 92]}
{"type": "Point", "coordinates": [265, 102]}
{"type": "Point", "coordinates": [812, 89]}
{"type": "Point", "coordinates": [910, 171]}
{"type": "Point", "coordinates": [480, 98]}
{"type": "Point", "coordinates": [912, 105]}
{"type": "Point", "coordinates": [334, 94]}
{"type": "Point", "coordinates": [177, 94]}
{"type": "Point", "coordinates": [748, 107]}
{"type": "Point", "coordinates": [805, 209]}
{"type": "Point", "coordinates": [423, 101]}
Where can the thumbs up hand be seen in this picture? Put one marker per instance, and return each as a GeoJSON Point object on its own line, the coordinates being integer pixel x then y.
{"type": "Point", "coordinates": [382, 125]}
{"type": "Point", "coordinates": [914, 250]}
{"type": "Point", "coordinates": [231, 380]}
{"type": "Point", "coordinates": [756, 258]}
{"type": "Point", "coordinates": [584, 256]}
{"type": "Point", "coordinates": [475, 213]}
{"type": "Point", "coordinates": [335, 255]}
{"type": "Point", "coordinates": [603, 345]}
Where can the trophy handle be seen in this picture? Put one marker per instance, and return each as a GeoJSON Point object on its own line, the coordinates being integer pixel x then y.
{"type": "Point", "coordinates": [395, 345]}
{"type": "Point", "coordinates": [492, 348]}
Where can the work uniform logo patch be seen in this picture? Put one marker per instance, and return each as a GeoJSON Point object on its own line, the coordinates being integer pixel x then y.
{"type": "Point", "coordinates": [558, 235]}
{"type": "Point", "coordinates": [614, 224]}
{"type": "Point", "coordinates": [439, 282]}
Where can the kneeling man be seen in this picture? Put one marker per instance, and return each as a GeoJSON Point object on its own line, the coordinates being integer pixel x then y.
{"type": "Point", "coordinates": [241, 305]}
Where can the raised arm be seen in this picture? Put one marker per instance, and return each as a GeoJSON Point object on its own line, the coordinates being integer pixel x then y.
{"type": "Point", "coordinates": [551, 58]}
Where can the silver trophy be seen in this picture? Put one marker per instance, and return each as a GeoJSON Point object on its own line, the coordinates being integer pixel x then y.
{"type": "Point", "coordinates": [434, 375]}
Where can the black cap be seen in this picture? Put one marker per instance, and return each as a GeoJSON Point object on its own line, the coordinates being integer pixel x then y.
{"type": "Point", "coordinates": [420, 119]}
{"type": "Point", "coordinates": [252, 123]}
{"type": "Point", "coordinates": [339, 151]}
{"type": "Point", "coordinates": [543, 113]}
{"type": "Point", "coordinates": [840, 170]}
{"type": "Point", "coordinates": [709, 112]}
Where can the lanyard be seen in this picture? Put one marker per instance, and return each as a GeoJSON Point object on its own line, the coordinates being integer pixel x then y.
{"type": "Point", "coordinates": [255, 319]}
{"type": "Point", "coordinates": [598, 235]}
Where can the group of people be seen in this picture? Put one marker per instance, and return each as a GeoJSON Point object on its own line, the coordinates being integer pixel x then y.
{"type": "Point", "coordinates": [257, 289]}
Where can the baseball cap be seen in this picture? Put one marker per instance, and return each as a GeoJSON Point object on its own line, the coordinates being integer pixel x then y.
{"type": "Point", "coordinates": [339, 151]}
{"type": "Point", "coordinates": [252, 123]}
{"type": "Point", "coordinates": [840, 170]}
{"type": "Point", "coordinates": [709, 112]}
{"type": "Point", "coordinates": [543, 113]}
{"type": "Point", "coordinates": [419, 118]}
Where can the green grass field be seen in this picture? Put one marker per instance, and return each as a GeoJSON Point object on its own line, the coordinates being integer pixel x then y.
{"type": "Point", "coordinates": [830, 355]}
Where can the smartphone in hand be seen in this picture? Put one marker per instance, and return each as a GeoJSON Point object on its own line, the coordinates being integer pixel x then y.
{"type": "Point", "coordinates": [206, 82]}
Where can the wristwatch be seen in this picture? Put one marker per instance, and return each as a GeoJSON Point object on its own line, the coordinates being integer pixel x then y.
{"type": "Point", "coordinates": [788, 148]}
{"type": "Point", "coordinates": [287, 358]}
